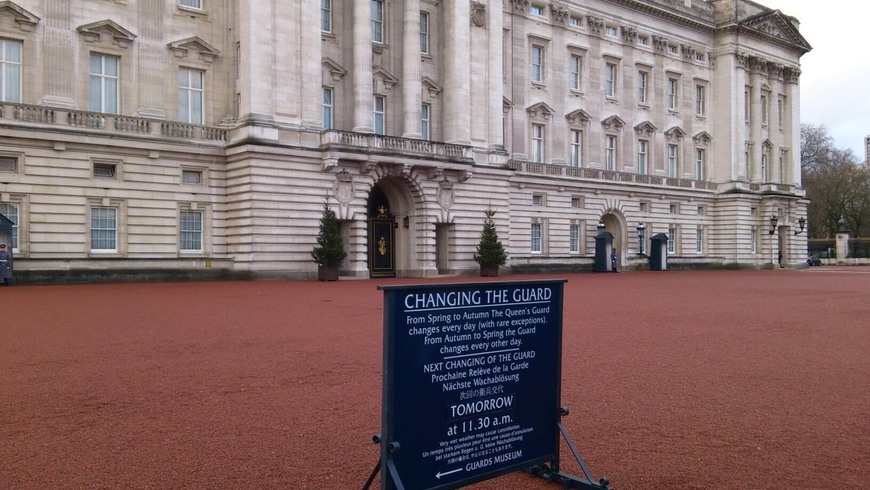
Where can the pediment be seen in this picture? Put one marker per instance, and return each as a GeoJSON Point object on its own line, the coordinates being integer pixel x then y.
{"type": "Point", "coordinates": [385, 78]}
{"type": "Point", "coordinates": [703, 137]}
{"type": "Point", "coordinates": [613, 122]}
{"type": "Point", "coordinates": [24, 19]}
{"type": "Point", "coordinates": [777, 25]}
{"type": "Point", "coordinates": [334, 69]}
{"type": "Point", "coordinates": [675, 132]}
{"type": "Point", "coordinates": [506, 104]}
{"type": "Point", "coordinates": [206, 51]}
{"type": "Point", "coordinates": [767, 144]}
{"type": "Point", "coordinates": [578, 116]}
{"type": "Point", "coordinates": [430, 85]}
{"type": "Point", "coordinates": [94, 32]}
{"type": "Point", "coordinates": [645, 128]}
{"type": "Point", "coordinates": [541, 109]}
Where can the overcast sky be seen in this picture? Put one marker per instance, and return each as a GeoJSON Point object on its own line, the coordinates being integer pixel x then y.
{"type": "Point", "coordinates": [835, 75]}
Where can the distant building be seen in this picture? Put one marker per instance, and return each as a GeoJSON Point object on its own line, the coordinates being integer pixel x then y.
{"type": "Point", "coordinates": [195, 135]}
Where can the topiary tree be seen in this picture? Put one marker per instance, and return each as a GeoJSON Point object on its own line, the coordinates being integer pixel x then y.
{"type": "Point", "coordinates": [329, 251]}
{"type": "Point", "coordinates": [490, 252]}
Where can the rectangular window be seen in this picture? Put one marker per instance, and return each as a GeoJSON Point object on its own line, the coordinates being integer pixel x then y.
{"type": "Point", "coordinates": [576, 156]}
{"type": "Point", "coordinates": [699, 57]}
{"type": "Point", "coordinates": [191, 95]}
{"type": "Point", "coordinates": [610, 80]}
{"type": "Point", "coordinates": [104, 229]}
{"type": "Point", "coordinates": [753, 239]}
{"type": "Point", "coordinates": [574, 238]}
{"type": "Point", "coordinates": [672, 160]}
{"type": "Point", "coordinates": [537, 64]}
{"type": "Point", "coordinates": [610, 31]}
{"type": "Point", "coordinates": [699, 240]}
{"type": "Point", "coordinates": [672, 239]}
{"type": "Point", "coordinates": [642, 156]}
{"type": "Point", "coordinates": [575, 65]}
{"type": "Point", "coordinates": [576, 202]}
{"type": "Point", "coordinates": [642, 41]}
{"type": "Point", "coordinates": [673, 208]}
{"type": "Point", "coordinates": [380, 111]}
{"type": "Point", "coordinates": [538, 143]}
{"type": "Point", "coordinates": [425, 121]}
{"type": "Point", "coordinates": [191, 177]}
{"type": "Point", "coordinates": [11, 213]}
{"type": "Point", "coordinates": [104, 83]}
{"type": "Point", "coordinates": [537, 200]}
{"type": "Point", "coordinates": [642, 82]}
{"type": "Point", "coordinates": [700, 157]}
{"type": "Point", "coordinates": [10, 70]}
{"type": "Point", "coordinates": [673, 86]}
{"type": "Point", "coordinates": [746, 107]}
{"type": "Point", "coordinates": [378, 21]}
{"type": "Point", "coordinates": [643, 206]}
{"type": "Point", "coordinates": [537, 236]}
{"type": "Point", "coordinates": [763, 109]}
{"type": "Point", "coordinates": [105, 170]}
{"type": "Point", "coordinates": [780, 111]}
{"type": "Point", "coordinates": [424, 32]}
{"type": "Point", "coordinates": [610, 152]}
{"type": "Point", "coordinates": [700, 99]}
{"type": "Point", "coordinates": [537, 9]}
{"type": "Point", "coordinates": [190, 231]}
{"type": "Point", "coordinates": [196, 4]}
{"type": "Point", "coordinates": [672, 49]}
{"type": "Point", "coordinates": [764, 167]}
{"type": "Point", "coordinates": [328, 107]}
{"type": "Point", "coordinates": [326, 15]}
{"type": "Point", "coordinates": [575, 21]}
{"type": "Point", "coordinates": [8, 164]}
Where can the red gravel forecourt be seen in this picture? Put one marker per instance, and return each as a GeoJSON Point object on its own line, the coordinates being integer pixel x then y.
{"type": "Point", "coordinates": [709, 380]}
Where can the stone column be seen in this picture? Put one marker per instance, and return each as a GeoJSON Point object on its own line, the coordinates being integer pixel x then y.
{"type": "Point", "coordinates": [59, 55]}
{"type": "Point", "coordinates": [411, 88]}
{"type": "Point", "coordinates": [152, 60]}
{"type": "Point", "coordinates": [792, 130]}
{"type": "Point", "coordinates": [756, 65]}
{"type": "Point", "coordinates": [457, 58]}
{"type": "Point", "coordinates": [494, 27]}
{"type": "Point", "coordinates": [362, 66]}
{"type": "Point", "coordinates": [775, 131]}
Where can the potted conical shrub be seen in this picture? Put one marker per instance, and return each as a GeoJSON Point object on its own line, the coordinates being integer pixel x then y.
{"type": "Point", "coordinates": [329, 251]}
{"type": "Point", "coordinates": [490, 252]}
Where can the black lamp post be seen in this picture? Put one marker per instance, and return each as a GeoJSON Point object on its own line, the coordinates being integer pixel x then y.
{"type": "Point", "coordinates": [773, 221]}
{"type": "Point", "coordinates": [641, 228]}
{"type": "Point", "coordinates": [802, 222]}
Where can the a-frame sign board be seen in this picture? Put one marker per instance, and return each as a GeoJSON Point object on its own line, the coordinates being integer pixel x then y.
{"type": "Point", "coordinates": [472, 385]}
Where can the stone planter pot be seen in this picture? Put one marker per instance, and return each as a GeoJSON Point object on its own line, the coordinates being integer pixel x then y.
{"type": "Point", "coordinates": [489, 271]}
{"type": "Point", "coordinates": [327, 273]}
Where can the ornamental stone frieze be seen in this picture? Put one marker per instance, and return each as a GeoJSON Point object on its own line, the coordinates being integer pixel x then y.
{"type": "Point", "coordinates": [560, 14]}
{"type": "Point", "coordinates": [478, 14]}
{"type": "Point", "coordinates": [791, 74]}
{"type": "Point", "coordinates": [688, 51]}
{"type": "Point", "coordinates": [645, 128]}
{"type": "Point", "coordinates": [613, 123]}
{"type": "Point", "coordinates": [775, 70]}
{"type": "Point", "coordinates": [445, 194]}
{"type": "Point", "coordinates": [342, 188]}
{"type": "Point", "coordinates": [758, 64]}
{"type": "Point", "coordinates": [660, 43]}
{"type": "Point", "coordinates": [629, 34]}
{"type": "Point", "coordinates": [742, 60]}
{"type": "Point", "coordinates": [676, 133]}
{"type": "Point", "coordinates": [521, 6]}
{"type": "Point", "coordinates": [595, 24]}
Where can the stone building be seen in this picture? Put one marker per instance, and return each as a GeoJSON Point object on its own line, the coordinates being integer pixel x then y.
{"type": "Point", "coordinates": [192, 137]}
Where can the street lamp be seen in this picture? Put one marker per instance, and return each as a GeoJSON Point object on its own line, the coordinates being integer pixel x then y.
{"type": "Point", "coordinates": [802, 222]}
{"type": "Point", "coordinates": [773, 221]}
{"type": "Point", "coordinates": [601, 227]}
{"type": "Point", "coordinates": [641, 228]}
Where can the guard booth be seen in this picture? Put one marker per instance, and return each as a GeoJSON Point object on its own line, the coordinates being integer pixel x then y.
{"type": "Point", "coordinates": [658, 253]}
{"type": "Point", "coordinates": [603, 246]}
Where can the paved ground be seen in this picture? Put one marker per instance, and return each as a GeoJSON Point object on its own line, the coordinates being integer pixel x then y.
{"type": "Point", "coordinates": [749, 379]}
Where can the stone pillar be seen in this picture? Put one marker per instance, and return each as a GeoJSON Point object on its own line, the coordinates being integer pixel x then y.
{"type": "Point", "coordinates": [362, 66]}
{"type": "Point", "coordinates": [59, 55]}
{"type": "Point", "coordinates": [775, 131]}
{"type": "Point", "coordinates": [494, 26]}
{"type": "Point", "coordinates": [842, 238]}
{"type": "Point", "coordinates": [457, 58]}
{"type": "Point", "coordinates": [792, 130]}
{"type": "Point", "coordinates": [756, 65]}
{"type": "Point", "coordinates": [411, 88]}
{"type": "Point", "coordinates": [152, 59]}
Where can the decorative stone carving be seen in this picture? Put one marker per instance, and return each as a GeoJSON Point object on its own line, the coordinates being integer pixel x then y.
{"type": "Point", "coordinates": [207, 52]}
{"type": "Point", "coordinates": [445, 194]}
{"type": "Point", "coordinates": [613, 122]}
{"type": "Point", "coordinates": [676, 133]}
{"type": "Point", "coordinates": [775, 70]}
{"type": "Point", "coordinates": [95, 32]}
{"type": "Point", "coordinates": [25, 20]}
{"type": "Point", "coordinates": [702, 139]}
{"type": "Point", "coordinates": [792, 74]}
{"type": "Point", "coordinates": [742, 59]}
{"type": "Point", "coordinates": [645, 128]}
{"type": "Point", "coordinates": [629, 34]}
{"type": "Point", "coordinates": [521, 6]}
{"type": "Point", "coordinates": [688, 51]}
{"type": "Point", "coordinates": [540, 111]}
{"type": "Point", "coordinates": [336, 72]}
{"type": "Point", "coordinates": [758, 64]}
{"type": "Point", "coordinates": [595, 24]}
{"type": "Point", "coordinates": [578, 117]}
{"type": "Point", "coordinates": [478, 14]}
{"type": "Point", "coordinates": [560, 14]}
{"type": "Point", "coordinates": [660, 43]}
{"type": "Point", "coordinates": [343, 187]}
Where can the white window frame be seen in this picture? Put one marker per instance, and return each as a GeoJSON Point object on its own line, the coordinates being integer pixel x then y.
{"type": "Point", "coordinates": [575, 21]}
{"type": "Point", "coordinates": [328, 101]}
{"type": "Point", "coordinates": [643, 40]}
{"type": "Point", "coordinates": [12, 211]}
{"type": "Point", "coordinates": [700, 163]}
{"type": "Point", "coordinates": [673, 160]}
{"type": "Point", "coordinates": [197, 174]}
{"type": "Point", "coordinates": [536, 63]}
{"type": "Point", "coordinates": [536, 231]}
{"type": "Point", "coordinates": [575, 72]}
{"type": "Point", "coordinates": [574, 238]}
{"type": "Point", "coordinates": [753, 240]}
{"type": "Point", "coordinates": [672, 239]}
{"type": "Point", "coordinates": [379, 114]}
{"type": "Point", "coordinates": [424, 32]}
{"type": "Point", "coordinates": [642, 156]}
{"type": "Point", "coordinates": [191, 231]}
{"type": "Point", "coordinates": [610, 146]}
{"type": "Point", "coordinates": [673, 93]}
{"type": "Point", "coordinates": [537, 10]}
{"type": "Point", "coordinates": [11, 70]}
{"type": "Point", "coordinates": [764, 165]}
{"type": "Point", "coordinates": [377, 18]}
{"type": "Point", "coordinates": [426, 121]}
{"type": "Point", "coordinates": [611, 31]}
{"type": "Point", "coordinates": [575, 142]}
{"type": "Point", "coordinates": [538, 140]}
{"type": "Point", "coordinates": [105, 224]}
{"type": "Point", "coordinates": [699, 240]}
{"type": "Point", "coordinates": [700, 99]}
{"type": "Point", "coordinates": [189, 93]}
{"type": "Point", "coordinates": [764, 109]}
{"type": "Point", "coordinates": [104, 84]}
{"type": "Point", "coordinates": [642, 86]}
{"type": "Point", "coordinates": [610, 77]}
{"type": "Point", "coordinates": [326, 16]}
{"type": "Point", "coordinates": [193, 4]}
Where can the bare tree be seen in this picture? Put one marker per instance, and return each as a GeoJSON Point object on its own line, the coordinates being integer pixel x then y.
{"type": "Point", "coordinates": [816, 146]}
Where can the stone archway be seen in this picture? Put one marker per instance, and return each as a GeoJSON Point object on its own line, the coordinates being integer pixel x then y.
{"type": "Point", "coordinates": [390, 200]}
{"type": "Point", "coordinates": [615, 225]}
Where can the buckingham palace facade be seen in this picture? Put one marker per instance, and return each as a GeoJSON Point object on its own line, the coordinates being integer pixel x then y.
{"type": "Point", "coordinates": [204, 136]}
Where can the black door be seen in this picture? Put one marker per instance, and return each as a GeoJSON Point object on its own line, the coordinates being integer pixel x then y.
{"type": "Point", "coordinates": [382, 237]}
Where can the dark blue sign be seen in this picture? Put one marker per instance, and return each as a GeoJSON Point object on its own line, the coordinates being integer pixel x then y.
{"type": "Point", "coordinates": [471, 381]}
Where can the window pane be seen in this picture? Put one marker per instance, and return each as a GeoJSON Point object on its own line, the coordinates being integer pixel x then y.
{"type": "Point", "coordinates": [190, 230]}
{"type": "Point", "coordinates": [11, 213]}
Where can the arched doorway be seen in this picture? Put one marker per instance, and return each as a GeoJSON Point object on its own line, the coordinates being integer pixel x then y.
{"type": "Point", "coordinates": [613, 225]}
{"type": "Point", "coordinates": [390, 228]}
